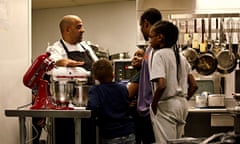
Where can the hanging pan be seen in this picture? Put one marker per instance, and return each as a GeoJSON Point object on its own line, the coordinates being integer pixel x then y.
{"type": "Point", "coordinates": [216, 44]}
{"type": "Point", "coordinates": [227, 61]}
{"type": "Point", "coordinates": [207, 62]}
{"type": "Point", "coordinates": [190, 53]}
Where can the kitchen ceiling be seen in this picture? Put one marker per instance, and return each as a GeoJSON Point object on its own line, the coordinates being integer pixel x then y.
{"type": "Point", "coordinates": [45, 4]}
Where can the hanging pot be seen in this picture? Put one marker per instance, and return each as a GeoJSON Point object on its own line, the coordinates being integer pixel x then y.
{"type": "Point", "coordinates": [206, 63]}
{"type": "Point", "coordinates": [190, 53]}
{"type": "Point", "coordinates": [227, 61]}
{"type": "Point", "coordinates": [191, 56]}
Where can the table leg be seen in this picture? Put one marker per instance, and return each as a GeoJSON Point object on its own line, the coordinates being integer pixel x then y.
{"type": "Point", "coordinates": [50, 130]}
{"type": "Point", "coordinates": [237, 124]}
{"type": "Point", "coordinates": [77, 122]}
{"type": "Point", "coordinates": [22, 129]}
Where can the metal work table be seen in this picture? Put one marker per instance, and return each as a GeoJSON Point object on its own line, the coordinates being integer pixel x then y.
{"type": "Point", "coordinates": [23, 113]}
{"type": "Point", "coordinates": [208, 110]}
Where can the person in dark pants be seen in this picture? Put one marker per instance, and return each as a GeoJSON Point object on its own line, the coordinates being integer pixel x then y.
{"type": "Point", "coordinates": [133, 93]}
{"type": "Point", "coordinates": [145, 96]}
{"type": "Point", "coordinates": [71, 51]}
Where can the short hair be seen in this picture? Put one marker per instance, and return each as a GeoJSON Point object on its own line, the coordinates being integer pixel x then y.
{"type": "Point", "coordinates": [152, 15]}
{"type": "Point", "coordinates": [102, 70]}
{"type": "Point", "coordinates": [169, 30]}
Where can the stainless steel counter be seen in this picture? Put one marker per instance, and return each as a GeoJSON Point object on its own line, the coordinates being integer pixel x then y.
{"type": "Point", "coordinates": [208, 110]}
{"type": "Point", "coordinates": [23, 113]}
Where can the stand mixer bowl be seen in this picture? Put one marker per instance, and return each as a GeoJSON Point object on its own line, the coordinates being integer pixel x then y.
{"type": "Point", "coordinates": [80, 98]}
{"type": "Point", "coordinates": [69, 92]}
{"type": "Point", "coordinates": [69, 86]}
{"type": "Point", "coordinates": [63, 93]}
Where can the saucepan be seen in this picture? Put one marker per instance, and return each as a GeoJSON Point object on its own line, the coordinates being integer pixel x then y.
{"type": "Point", "coordinates": [207, 63]}
{"type": "Point", "coordinates": [227, 61]}
{"type": "Point", "coordinates": [189, 52]}
{"type": "Point", "coordinates": [191, 56]}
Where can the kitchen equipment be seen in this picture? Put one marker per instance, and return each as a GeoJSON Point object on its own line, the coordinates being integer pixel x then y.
{"type": "Point", "coordinates": [123, 69]}
{"type": "Point", "coordinates": [80, 98]}
{"type": "Point", "coordinates": [237, 80]}
{"type": "Point", "coordinates": [190, 53]}
{"type": "Point", "coordinates": [33, 79]}
{"type": "Point", "coordinates": [236, 96]}
{"type": "Point", "coordinates": [202, 100]}
{"type": "Point", "coordinates": [62, 91]}
{"type": "Point", "coordinates": [207, 62]}
{"type": "Point", "coordinates": [99, 51]}
{"type": "Point", "coordinates": [67, 86]}
{"type": "Point", "coordinates": [203, 44]}
{"type": "Point", "coordinates": [205, 85]}
{"type": "Point", "coordinates": [195, 39]}
{"type": "Point", "coordinates": [226, 58]}
{"type": "Point", "coordinates": [122, 55]}
{"type": "Point", "coordinates": [187, 36]}
{"type": "Point", "coordinates": [216, 44]}
{"type": "Point", "coordinates": [237, 70]}
{"type": "Point", "coordinates": [191, 56]}
{"type": "Point", "coordinates": [238, 36]}
{"type": "Point", "coordinates": [236, 113]}
{"type": "Point", "coordinates": [223, 138]}
{"type": "Point", "coordinates": [216, 100]}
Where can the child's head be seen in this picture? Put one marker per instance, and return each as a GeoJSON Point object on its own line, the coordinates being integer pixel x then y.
{"type": "Point", "coordinates": [137, 58]}
{"type": "Point", "coordinates": [102, 71]}
{"type": "Point", "coordinates": [163, 34]}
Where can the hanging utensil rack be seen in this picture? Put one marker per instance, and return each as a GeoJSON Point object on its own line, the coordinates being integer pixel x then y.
{"type": "Point", "coordinates": [215, 24]}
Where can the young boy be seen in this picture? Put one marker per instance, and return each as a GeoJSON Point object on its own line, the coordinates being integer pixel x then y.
{"type": "Point", "coordinates": [109, 100]}
{"type": "Point", "coordinates": [132, 86]}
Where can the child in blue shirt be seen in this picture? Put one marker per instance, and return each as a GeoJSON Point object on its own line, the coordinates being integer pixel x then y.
{"type": "Point", "coordinates": [109, 101]}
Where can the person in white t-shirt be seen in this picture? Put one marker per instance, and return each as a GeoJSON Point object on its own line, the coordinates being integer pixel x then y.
{"type": "Point", "coordinates": [172, 83]}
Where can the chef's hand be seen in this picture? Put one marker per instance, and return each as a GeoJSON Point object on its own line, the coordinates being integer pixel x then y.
{"type": "Point", "coordinates": [69, 63]}
{"type": "Point", "coordinates": [154, 108]}
{"type": "Point", "coordinates": [72, 63]}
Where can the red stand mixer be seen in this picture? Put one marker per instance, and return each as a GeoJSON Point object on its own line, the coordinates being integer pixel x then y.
{"type": "Point", "coordinates": [67, 84]}
{"type": "Point", "coordinates": [33, 78]}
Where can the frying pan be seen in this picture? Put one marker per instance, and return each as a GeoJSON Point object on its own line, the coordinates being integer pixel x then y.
{"type": "Point", "coordinates": [227, 61]}
{"type": "Point", "coordinates": [207, 62]}
{"type": "Point", "coordinates": [191, 56]}
{"type": "Point", "coordinates": [190, 53]}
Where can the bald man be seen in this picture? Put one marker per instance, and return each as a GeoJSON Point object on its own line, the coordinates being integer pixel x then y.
{"type": "Point", "coordinates": [72, 51]}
